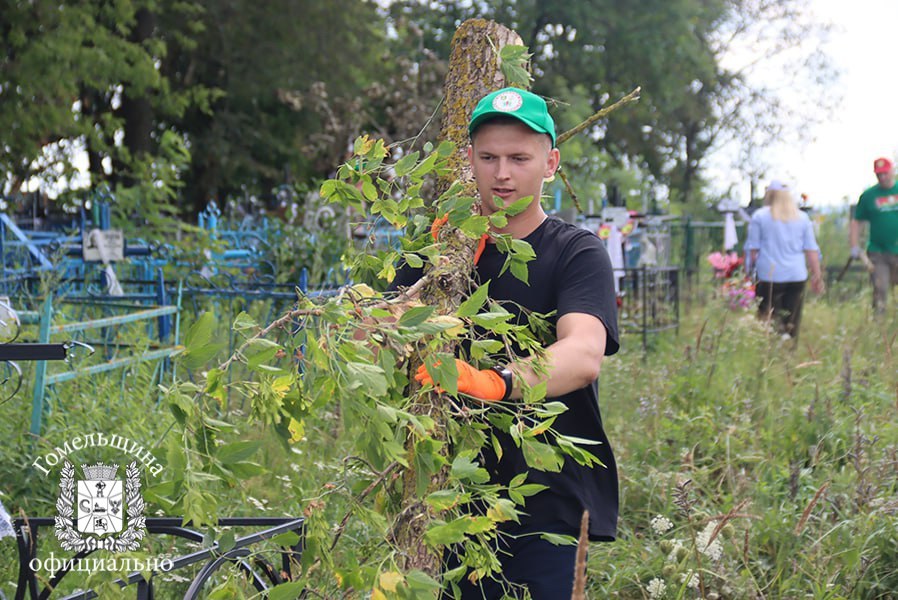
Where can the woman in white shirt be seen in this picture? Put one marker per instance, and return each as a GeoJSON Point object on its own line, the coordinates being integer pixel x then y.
{"type": "Point", "coordinates": [783, 249]}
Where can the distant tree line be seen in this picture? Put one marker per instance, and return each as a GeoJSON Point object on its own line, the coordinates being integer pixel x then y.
{"type": "Point", "coordinates": [236, 98]}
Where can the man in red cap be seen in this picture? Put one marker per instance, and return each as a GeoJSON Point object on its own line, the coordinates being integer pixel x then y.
{"type": "Point", "coordinates": [878, 205]}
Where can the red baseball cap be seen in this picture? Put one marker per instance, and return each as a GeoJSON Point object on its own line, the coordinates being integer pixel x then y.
{"type": "Point", "coordinates": [882, 165]}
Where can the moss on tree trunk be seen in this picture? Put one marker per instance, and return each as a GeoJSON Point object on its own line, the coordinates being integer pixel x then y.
{"type": "Point", "coordinates": [474, 71]}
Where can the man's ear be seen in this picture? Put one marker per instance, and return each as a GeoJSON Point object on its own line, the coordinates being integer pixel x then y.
{"type": "Point", "coordinates": [554, 159]}
{"type": "Point", "coordinates": [470, 153]}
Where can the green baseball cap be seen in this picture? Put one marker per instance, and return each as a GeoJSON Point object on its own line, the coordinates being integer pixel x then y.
{"type": "Point", "coordinates": [522, 105]}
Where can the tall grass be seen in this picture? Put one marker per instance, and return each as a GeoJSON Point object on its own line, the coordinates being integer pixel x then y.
{"type": "Point", "coordinates": [787, 452]}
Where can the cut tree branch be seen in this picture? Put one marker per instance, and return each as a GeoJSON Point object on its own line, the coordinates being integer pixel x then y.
{"type": "Point", "coordinates": [631, 97]}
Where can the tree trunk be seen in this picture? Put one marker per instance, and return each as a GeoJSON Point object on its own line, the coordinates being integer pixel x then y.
{"type": "Point", "coordinates": [473, 72]}
{"type": "Point", "coordinates": [136, 109]}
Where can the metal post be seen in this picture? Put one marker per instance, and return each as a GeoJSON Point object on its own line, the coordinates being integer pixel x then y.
{"type": "Point", "coordinates": [645, 312]}
{"type": "Point", "coordinates": [40, 367]}
{"type": "Point", "coordinates": [689, 245]}
{"type": "Point", "coordinates": [161, 300]}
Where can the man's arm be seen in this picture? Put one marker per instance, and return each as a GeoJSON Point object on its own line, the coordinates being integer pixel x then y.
{"type": "Point", "coordinates": [572, 362]}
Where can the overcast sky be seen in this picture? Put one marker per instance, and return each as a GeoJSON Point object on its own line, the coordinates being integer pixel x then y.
{"type": "Point", "coordinates": [835, 160]}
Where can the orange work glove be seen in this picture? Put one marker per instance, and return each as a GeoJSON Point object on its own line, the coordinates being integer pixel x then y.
{"type": "Point", "coordinates": [486, 385]}
{"type": "Point", "coordinates": [440, 221]}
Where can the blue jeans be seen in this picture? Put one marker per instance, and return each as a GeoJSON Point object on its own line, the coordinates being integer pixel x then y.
{"type": "Point", "coordinates": [545, 569]}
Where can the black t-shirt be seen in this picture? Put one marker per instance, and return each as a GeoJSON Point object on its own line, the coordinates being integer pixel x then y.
{"type": "Point", "coordinates": [570, 274]}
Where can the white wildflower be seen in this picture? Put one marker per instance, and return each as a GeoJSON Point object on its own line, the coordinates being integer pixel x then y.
{"type": "Point", "coordinates": [690, 578]}
{"type": "Point", "coordinates": [661, 524]}
{"type": "Point", "coordinates": [713, 550]}
{"type": "Point", "coordinates": [656, 588]}
{"type": "Point", "coordinates": [677, 551]}
{"type": "Point", "coordinates": [259, 504]}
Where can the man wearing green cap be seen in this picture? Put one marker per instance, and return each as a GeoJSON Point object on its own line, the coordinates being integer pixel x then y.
{"type": "Point", "coordinates": [512, 152]}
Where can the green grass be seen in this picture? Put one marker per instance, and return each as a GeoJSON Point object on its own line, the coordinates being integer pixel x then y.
{"type": "Point", "coordinates": [793, 447]}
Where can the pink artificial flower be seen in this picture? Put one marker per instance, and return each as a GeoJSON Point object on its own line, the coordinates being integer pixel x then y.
{"type": "Point", "coordinates": [724, 264]}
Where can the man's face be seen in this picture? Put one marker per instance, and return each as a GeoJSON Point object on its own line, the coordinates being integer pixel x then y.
{"type": "Point", "coordinates": [510, 161]}
{"type": "Point", "coordinates": [886, 179]}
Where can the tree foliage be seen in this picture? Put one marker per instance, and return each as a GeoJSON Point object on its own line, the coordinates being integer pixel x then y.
{"type": "Point", "coordinates": [269, 93]}
{"type": "Point", "coordinates": [697, 92]}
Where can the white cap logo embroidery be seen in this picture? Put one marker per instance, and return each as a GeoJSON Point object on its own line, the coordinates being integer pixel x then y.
{"type": "Point", "coordinates": [508, 101]}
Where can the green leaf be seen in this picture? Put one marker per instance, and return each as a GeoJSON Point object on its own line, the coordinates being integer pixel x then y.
{"type": "Point", "coordinates": [530, 489]}
{"type": "Point", "coordinates": [497, 447]}
{"type": "Point", "coordinates": [511, 52]}
{"type": "Point", "coordinates": [286, 539]}
{"type": "Point", "coordinates": [405, 164]}
{"type": "Point", "coordinates": [427, 461]}
{"type": "Point", "coordinates": [482, 524]}
{"type": "Point", "coordinates": [369, 191]}
{"type": "Point", "coordinates": [370, 378]}
{"type": "Point", "coordinates": [215, 386]}
{"type": "Point", "coordinates": [199, 347]}
{"type": "Point", "coordinates": [559, 539]}
{"type": "Point", "coordinates": [541, 456]}
{"type": "Point", "coordinates": [425, 166]}
{"type": "Point", "coordinates": [472, 304]}
{"type": "Point", "coordinates": [443, 371]}
{"type": "Point", "coordinates": [237, 451]}
{"type": "Point", "coordinates": [447, 533]}
{"type": "Point", "coordinates": [259, 351]}
{"type": "Point", "coordinates": [415, 316]}
{"type": "Point", "coordinates": [245, 469]}
{"type": "Point", "coordinates": [394, 451]}
{"type": "Point", "coordinates": [445, 149]}
{"type": "Point", "coordinates": [225, 591]}
{"type": "Point", "coordinates": [536, 394]}
{"type": "Point", "coordinates": [515, 75]}
{"type": "Point", "coordinates": [419, 580]}
{"type": "Point", "coordinates": [518, 480]}
{"type": "Point", "coordinates": [413, 260]}
{"type": "Point", "coordinates": [474, 226]}
{"type": "Point", "coordinates": [481, 348]}
{"type": "Point", "coordinates": [244, 321]}
{"type": "Point", "coordinates": [227, 540]}
{"type": "Point", "coordinates": [489, 320]}
{"type": "Point", "coordinates": [522, 250]}
{"type": "Point", "coordinates": [519, 270]}
{"type": "Point", "coordinates": [503, 510]}
{"type": "Point", "coordinates": [498, 220]}
{"type": "Point", "coordinates": [388, 412]}
{"type": "Point", "coordinates": [327, 189]}
{"type": "Point", "coordinates": [579, 440]}
{"type": "Point", "coordinates": [286, 591]}
{"type": "Point", "coordinates": [463, 468]}
{"type": "Point", "coordinates": [446, 499]}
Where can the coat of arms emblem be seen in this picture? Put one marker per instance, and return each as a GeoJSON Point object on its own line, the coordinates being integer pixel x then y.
{"type": "Point", "coordinates": [107, 512]}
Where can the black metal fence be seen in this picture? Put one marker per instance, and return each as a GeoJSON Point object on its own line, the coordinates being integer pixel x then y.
{"type": "Point", "coordinates": [649, 300]}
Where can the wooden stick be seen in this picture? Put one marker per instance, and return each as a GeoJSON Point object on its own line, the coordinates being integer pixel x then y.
{"type": "Point", "coordinates": [580, 566]}
{"type": "Point", "coordinates": [631, 97]}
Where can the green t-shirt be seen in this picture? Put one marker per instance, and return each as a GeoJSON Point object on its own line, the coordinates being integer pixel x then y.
{"type": "Point", "coordinates": [880, 207]}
